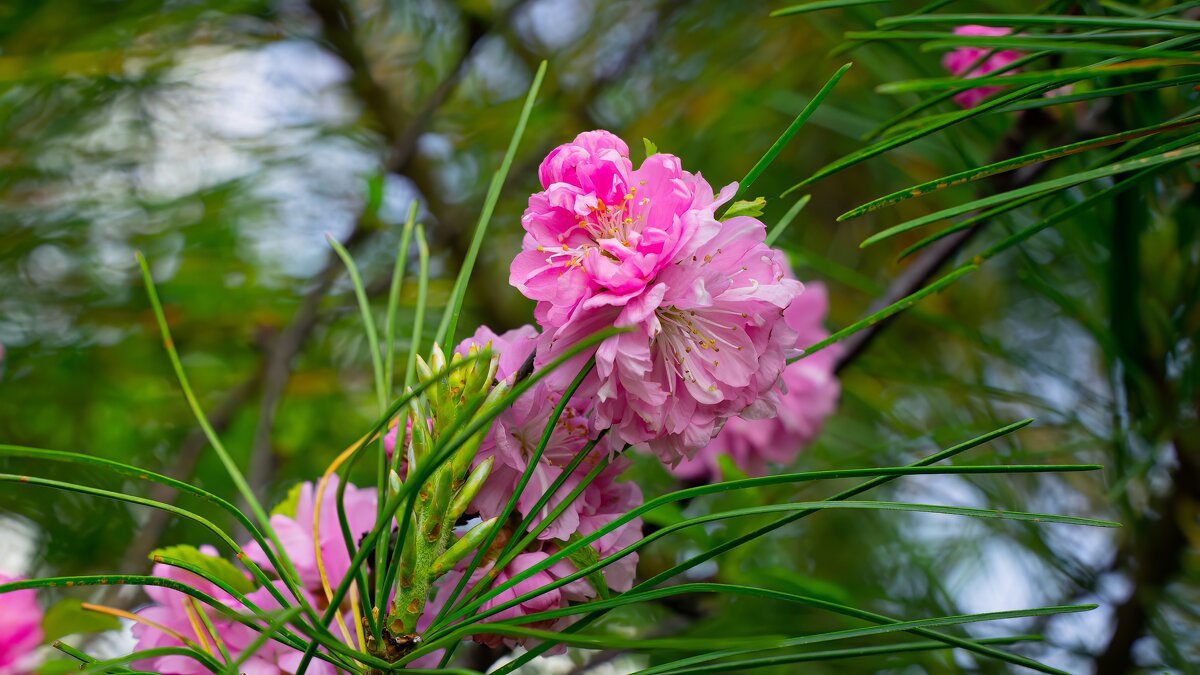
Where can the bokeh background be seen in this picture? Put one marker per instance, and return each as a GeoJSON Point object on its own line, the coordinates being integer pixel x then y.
{"type": "Point", "coordinates": [226, 139]}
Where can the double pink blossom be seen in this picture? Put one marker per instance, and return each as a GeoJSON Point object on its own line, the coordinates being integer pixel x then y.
{"type": "Point", "coordinates": [20, 628]}
{"type": "Point", "coordinates": [600, 230]}
{"type": "Point", "coordinates": [960, 61]}
{"type": "Point", "coordinates": [607, 245]}
{"type": "Point", "coordinates": [810, 395]}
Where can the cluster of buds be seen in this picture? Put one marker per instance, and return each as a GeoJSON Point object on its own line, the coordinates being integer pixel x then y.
{"type": "Point", "coordinates": [430, 548]}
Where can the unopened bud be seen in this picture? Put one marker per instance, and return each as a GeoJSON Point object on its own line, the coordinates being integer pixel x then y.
{"type": "Point", "coordinates": [465, 544]}
{"type": "Point", "coordinates": [466, 494]}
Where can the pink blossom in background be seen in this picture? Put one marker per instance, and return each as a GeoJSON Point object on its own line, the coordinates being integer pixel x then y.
{"type": "Point", "coordinates": [170, 608]}
{"type": "Point", "coordinates": [960, 60]}
{"type": "Point", "coordinates": [296, 533]}
{"type": "Point", "coordinates": [547, 601]}
{"type": "Point", "coordinates": [511, 348]}
{"type": "Point", "coordinates": [20, 628]}
{"type": "Point", "coordinates": [811, 392]}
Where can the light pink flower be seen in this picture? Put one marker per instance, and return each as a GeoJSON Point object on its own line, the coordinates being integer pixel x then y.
{"type": "Point", "coordinates": [20, 628]}
{"type": "Point", "coordinates": [960, 60]}
{"type": "Point", "coordinates": [296, 533]}
{"type": "Point", "coordinates": [553, 599]}
{"type": "Point", "coordinates": [511, 443]}
{"type": "Point", "coordinates": [515, 435]}
{"type": "Point", "coordinates": [170, 608]}
{"type": "Point", "coordinates": [811, 392]}
{"type": "Point", "coordinates": [601, 230]}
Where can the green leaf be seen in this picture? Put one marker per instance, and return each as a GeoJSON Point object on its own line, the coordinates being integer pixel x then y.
{"type": "Point", "coordinates": [218, 446]}
{"type": "Point", "coordinates": [800, 584]}
{"type": "Point", "coordinates": [449, 323]}
{"type": "Point", "coordinates": [1051, 78]}
{"type": "Point", "coordinates": [218, 567]}
{"type": "Point", "coordinates": [667, 514]}
{"type": "Point", "coordinates": [651, 148]}
{"type": "Point", "coordinates": [853, 652]}
{"type": "Point", "coordinates": [649, 585]}
{"type": "Point", "coordinates": [743, 207]}
{"type": "Point", "coordinates": [1057, 47]}
{"type": "Point", "coordinates": [903, 139]}
{"type": "Point", "coordinates": [57, 667]}
{"type": "Point", "coordinates": [776, 147]}
{"type": "Point", "coordinates": [775, 508]}
{"type": "Point", "coordinates": [68, 617]}
{"type": "Point", "coordinates": [970, 175]}
{"type": "Point", "coordinates": [729, 470]}
{"type": "Point", "coordinates": [585, 557]}
{"type": "Point", "coordinates": [364, 306]}
{"type": "Point", "coordinates": [787, 220]}
{"type": "Point", "coordinates": [688, 664]}
{"type": "Point", "coordinates": [1041, 20]}
{"type": "Point", "coordinates": [898, 306]}
{"type": "Point", "coordinates": [1044, 187]}
{"type": "Point", "coordinates": [287, 506]}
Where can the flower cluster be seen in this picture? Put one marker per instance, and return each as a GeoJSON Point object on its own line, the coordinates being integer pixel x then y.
{"type": "Point", "coordinates": [20, 628]}
{"type": "Point", "coordinates": [711, 315]}
{"type": "Point", "coordinates": [643, 249]}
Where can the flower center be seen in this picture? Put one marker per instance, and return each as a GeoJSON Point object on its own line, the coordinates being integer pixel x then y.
{"type": "Point", "coordinates": [616, 221]}
{"type": "Point", "coordinates": [694, 339]}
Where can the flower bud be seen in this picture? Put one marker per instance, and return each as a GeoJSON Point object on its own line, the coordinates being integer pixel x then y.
{"type": "Point", "coordinates": [466, 494]}
{"type": "Point", "coordinates": [439, 501]}
{"type": "Point", "coordinates": [423, 370]}
{"type": "Point", "coordinates": [465, 544]}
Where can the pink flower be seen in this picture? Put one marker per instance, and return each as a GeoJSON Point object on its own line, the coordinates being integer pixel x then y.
{"type": "Point", "coordinates": [170, 609]}
{"type": "Point", "coordinates": [515, 436]}
{"type": "Point", "coordinates": [553, 599]}
{"type": "Point", "coordinates": [296, 533]}
{"type": "Point", "coordinates": [602, 502]}
{"type": "Point", "coordinates": [511, 348]}
{"type": "Point", "coordinates": [511, 443]}
{"type": "Point", "coordinates": [811, 396]}
{"type": "Point", "coordinates": [960, 60]}
{"type": "Point", "coordinates": [708, 342]}
{"type": "Point", "coordinates": [606, 245]}
{"type": "Point", "coordinates": [20, 628]}
{"type": "Point", "coordinates": [601, 230]}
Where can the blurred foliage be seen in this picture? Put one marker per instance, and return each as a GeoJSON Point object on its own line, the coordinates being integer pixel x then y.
{"type": "Point", "coordinates": [224, 138]}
